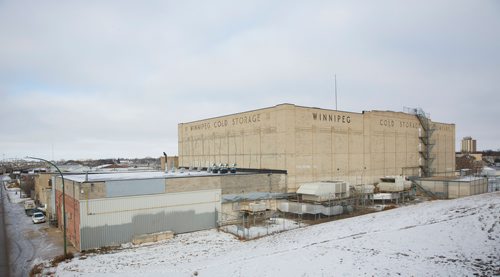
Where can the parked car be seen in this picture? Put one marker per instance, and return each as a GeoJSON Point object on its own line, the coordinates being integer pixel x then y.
{"type": "Point", "coordinates": [39, 210]}
{"type": "Point", "coordinates": [30, 212]}
{"type": "Point", "coordinates": [29, 205]}
{"type": "Point", "coordinates": [38, 217]}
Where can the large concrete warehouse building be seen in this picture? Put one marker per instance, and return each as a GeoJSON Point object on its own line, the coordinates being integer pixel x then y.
{"type": "Point", "coordinates": [314, 144]}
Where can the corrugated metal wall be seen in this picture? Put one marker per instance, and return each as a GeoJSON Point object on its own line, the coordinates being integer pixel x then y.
{"type": "Point", "coordinates": [113, 221]}
{"type": "Point", "coordinates": [134, 187]}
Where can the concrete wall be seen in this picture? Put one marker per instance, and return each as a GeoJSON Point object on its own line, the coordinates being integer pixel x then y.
{"type": "Point", "coordinates": [74, 192]}
{"type": "Point", "coordinates": [451, 189]}
{"type": "Point", "coordinates": [43, 192]}
{"type": "Point", "coordinates": [241, 184]}
{"type": "Point", "coordinates": [72, 195]}
{"type": "Point", "coordinates": [72, 218]}
{"type": "Point", "coordinates": [41, 184]}
{"type": "Point", "coordinates": [94, 190]}
{"type": "Point", "coordinates": [316, 144]}
{"type": "Point", "coordinates": [462, 189]}
{"type": "Point", "coordinates": [228, 183]}
{"type": "Point", "coordinates": [173, 185]}
{"type": "Point", "coordinates": [444, 137]}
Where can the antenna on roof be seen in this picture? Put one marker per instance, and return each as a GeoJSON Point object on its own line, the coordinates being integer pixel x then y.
{"type": "Point", "coordinates": [336, 102]}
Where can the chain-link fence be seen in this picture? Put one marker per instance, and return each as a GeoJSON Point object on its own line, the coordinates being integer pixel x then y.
{"type": "Point", "coordinates": [247, 226]}
{"type": "Point", "coordinates": [250, 220]}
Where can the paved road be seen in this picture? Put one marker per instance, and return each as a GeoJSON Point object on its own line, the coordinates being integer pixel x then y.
{"type": "Point", "coordinates": [29, 244]}
{"type": "Point", "coordinates": [22, 245]}
{"type": "Point", "coordinates": [4, 258]}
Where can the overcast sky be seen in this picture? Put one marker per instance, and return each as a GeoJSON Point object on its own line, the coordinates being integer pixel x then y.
{"type": "Point", "coordinates": [109, 79]}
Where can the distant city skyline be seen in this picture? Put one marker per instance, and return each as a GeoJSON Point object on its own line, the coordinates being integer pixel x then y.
{"type": "Point", "coordinates": [90, 80]}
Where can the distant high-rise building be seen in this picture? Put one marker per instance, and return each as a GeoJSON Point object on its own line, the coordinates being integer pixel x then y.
{"type": "Point", "coordinates": [468, 145]}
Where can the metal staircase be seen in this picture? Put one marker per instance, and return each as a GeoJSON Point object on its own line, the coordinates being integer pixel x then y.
{"type": "Point", "coordinates": [427, 192]}
{"type": "Point", "coordinates": [425, 136]}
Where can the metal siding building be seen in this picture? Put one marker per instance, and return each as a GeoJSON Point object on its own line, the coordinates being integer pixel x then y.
{"type": "Point", "coordinates": [134, 187]}
{"type": "Point", "coordinates": [113, 221]}
{"type": "Point", "coordinates": [111, 209]}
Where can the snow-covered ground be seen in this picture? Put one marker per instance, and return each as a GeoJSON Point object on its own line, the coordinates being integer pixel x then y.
{"type": "Point", "coordinates": [445, 238]}
{"type": "Point", "coordinates": [15, 194]}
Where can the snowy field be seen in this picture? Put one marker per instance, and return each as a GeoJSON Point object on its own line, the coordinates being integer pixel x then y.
{"type": "Point", "coordinates": [439, 238]}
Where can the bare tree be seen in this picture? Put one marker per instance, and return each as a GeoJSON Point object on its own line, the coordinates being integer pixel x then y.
{"type": "Point", "coordinates": [469, 162]}
{"type": "Point", "coordinates": [27, 184]}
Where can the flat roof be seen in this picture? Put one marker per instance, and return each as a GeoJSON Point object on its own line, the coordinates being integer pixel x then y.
{"type": "Point", "coordinates": [298, 106]}
{"type": "Point", "coordinates": [102, 177]}
{"type": "Point", "coordinates": [267, 108]}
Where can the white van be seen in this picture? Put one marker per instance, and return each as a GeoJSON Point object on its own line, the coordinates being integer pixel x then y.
{"type": "Point", "coordinates": [29, 205]}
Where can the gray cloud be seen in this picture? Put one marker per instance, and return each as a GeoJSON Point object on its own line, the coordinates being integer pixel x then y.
{"type": "Point", "coordinates": [113, 79]}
